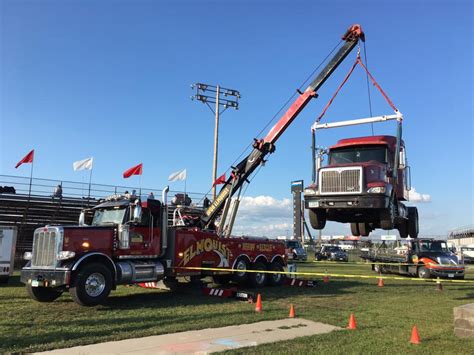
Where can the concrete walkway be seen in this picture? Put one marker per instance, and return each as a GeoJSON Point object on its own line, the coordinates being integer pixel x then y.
{"type": "Point", "coordinates": [207, 340]}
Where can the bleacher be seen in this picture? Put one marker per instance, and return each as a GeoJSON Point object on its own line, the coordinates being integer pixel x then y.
{"type": "Point", "coordinates": [30, 212]}
{"type": "Point", "coordinates": [30, 204]}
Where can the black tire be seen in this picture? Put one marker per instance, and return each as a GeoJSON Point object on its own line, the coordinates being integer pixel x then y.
{"type": "Point", "coordinates": [413, 226]}
{"type": "Point", "coordinates": [276, 279]}
{"type": "Point", "coordinates": [355, 229]}
{"type": "Point", "coordinates": [364, 229]}
{"type": "Point", "coordinates": [43, 294]}
{"type": "Point", "coordinates": [387, 217]}
{"type": "Point", "coordinates": [403, 229]}
{"type": "Point", "coordinates": [423, 272]}
{"type": "Point", "coordinates": [317, 218]}
{"type": "Point", "coordinates": [318, 257]}
{"type": "Point", "coordinates": [222, 279]}
{"type": "Point", "coordinates": [241, 277]}
{"type": "Point", "coordinates": [257, 279]}
{"type": "Point", "coordinates": [91, 285]}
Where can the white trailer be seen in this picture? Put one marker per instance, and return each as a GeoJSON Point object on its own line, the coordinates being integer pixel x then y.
{"type": "Point", "coordinates": [7, 252]}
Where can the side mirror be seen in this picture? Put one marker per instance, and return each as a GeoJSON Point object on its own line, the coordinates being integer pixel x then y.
{"type": "Point", "coordinates": [82, 218]}
{"type": "Point", "coordinates": [402, 162]}
{"type": "Point", "coordinates": [137, 213]}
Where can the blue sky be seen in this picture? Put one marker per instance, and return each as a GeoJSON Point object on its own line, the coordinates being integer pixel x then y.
{"type": "Point", "coordinates": [111, 79]}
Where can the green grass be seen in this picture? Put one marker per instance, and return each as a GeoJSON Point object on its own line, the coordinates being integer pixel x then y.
{"type": "Point", "coordinates": [384, 315]}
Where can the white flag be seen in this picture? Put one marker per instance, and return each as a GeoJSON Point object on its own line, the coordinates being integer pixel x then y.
{"type": "Point", "coordinates": [85, 164]}
{"type": "Point", "coordinates": [179, 175]}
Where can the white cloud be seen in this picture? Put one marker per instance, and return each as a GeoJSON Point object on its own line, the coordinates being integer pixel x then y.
{"type": "Point", "coordinates": [415, 196]}
{"type": "Point", "coordinates": [264, 216]}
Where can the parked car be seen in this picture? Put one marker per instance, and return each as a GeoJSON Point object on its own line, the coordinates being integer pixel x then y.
{"type": "Point", "coordinates": [295, 250]}
{"type": "Point", "coordinates": [332, 253]}
{"type": "Point", "coordinates": [466, 252]}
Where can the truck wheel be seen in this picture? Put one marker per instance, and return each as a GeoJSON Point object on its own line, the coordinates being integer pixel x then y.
{"type": "Point", "coordinates": [43, 294]}
{"type": "Point", "coordinates": [222, 279]}
{"type": "Point", "coordinates": [364, 229]}
{"type": "Point", "coordinates": [355, 229]}
{"type": "Point", "coordinates": [413, 227]}
{"type": "Point", "coordinates": [403, 229]}
{"type": "Point", "coordinates": [387, 217]}
{"type": "Point", "coordinates": [241, 276]}
{"type": "Point", "coordinates": [423, 273]}
{"type": "Point", "coordinates": [317, 218]}
{"type": "Point", "coordinates": [258, 279]}
{"type": "Point", "coordinates": [3, 280]}
{"type": "Point", "coordinates": [92, 285]}
{"type": "Point", "coordinates": [276, 279]}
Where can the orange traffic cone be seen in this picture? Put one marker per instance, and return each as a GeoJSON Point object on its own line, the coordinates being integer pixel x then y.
{"type": "Point", "coordinates": [258, 306]}
{"type": "Point", "coordinates": [415, 337]}
{"type": "Point", "coordinates": [292, 312]}
{"type": "Point", "coordinates": [381, 283]}
{"type": "Point", "coordinates": [352, 322]}
{"type": "Point", "coordinates": [326, 278]}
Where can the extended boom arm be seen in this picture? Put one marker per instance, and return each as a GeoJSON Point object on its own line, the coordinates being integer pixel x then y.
{"type": "Point", "coordinates": [265, 146]}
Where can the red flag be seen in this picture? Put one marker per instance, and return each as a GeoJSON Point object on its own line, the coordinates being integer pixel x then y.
{"type": "Point", "coordinates": [220, 180]}
{"type": "Point", "coordinates": [27, 159]}
{"type": "Point", "coordinates": [136, 170]}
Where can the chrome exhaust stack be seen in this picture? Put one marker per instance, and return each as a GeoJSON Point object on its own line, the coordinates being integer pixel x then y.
{"type": "Point", "coordinates": [164, 226]}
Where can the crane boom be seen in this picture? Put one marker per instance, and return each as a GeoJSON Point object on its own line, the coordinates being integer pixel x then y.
{"type": "Point", "coordinates": [265, 146]}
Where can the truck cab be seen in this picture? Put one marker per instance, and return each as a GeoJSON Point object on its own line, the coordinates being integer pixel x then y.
{"type": "Point", "coordinates": [361, 185]}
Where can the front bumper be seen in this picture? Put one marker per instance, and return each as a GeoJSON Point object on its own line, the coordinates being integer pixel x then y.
{"type": "Point", "coordinates": [443, 272]}
{"type": "Point", "coordinates": [367, 201]}
{"type": "Point", "coordinates": [45, 277]}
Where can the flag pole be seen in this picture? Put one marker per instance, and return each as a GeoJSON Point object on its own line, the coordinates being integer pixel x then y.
{"type": "Point", "coordinates": [140, 186]}
{"type": "Point", "coordinates": [31, 179]}
{"type": "Point", "coordinates": [89, 193]}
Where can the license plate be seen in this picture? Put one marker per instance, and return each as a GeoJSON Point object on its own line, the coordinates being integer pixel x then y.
{"type": "Point", "coordinates": [313, 204]}
{"type": "Point", "coordinates": [35, 283]}
{"type": "Point", "coordinates": [450, 275]}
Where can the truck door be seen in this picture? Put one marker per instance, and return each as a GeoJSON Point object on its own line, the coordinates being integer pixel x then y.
{"type": "Point", "coordinates": [141, 234]}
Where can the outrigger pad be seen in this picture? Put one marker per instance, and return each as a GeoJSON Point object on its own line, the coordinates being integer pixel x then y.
{"type": "Point", "coordinates": [228, 293]}
{"type": "Point", "coordinates": [301, 283]}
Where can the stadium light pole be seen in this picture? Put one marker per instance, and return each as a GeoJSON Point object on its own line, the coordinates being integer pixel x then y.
{"type": "Point", "coordinates": [222, 98]}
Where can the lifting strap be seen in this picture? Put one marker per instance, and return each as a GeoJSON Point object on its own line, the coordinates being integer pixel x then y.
{"type": "Point", "coordinates": [374, 82]}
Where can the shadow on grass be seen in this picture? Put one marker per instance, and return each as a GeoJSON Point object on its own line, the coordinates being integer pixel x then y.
{"type": "Point", "coordinates": [13, 281]}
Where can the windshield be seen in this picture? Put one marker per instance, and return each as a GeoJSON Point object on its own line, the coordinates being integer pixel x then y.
{"type": "Point", "coordinates": [358, 155]}
{"type": "Point", "coordinates": [293, 244]}
{"type": "Point", "coordinates": [333, 249]}
{"type": "Point", "coordinates": [433, 246]}
{"type": "Point", "coordinates": [114, 216]}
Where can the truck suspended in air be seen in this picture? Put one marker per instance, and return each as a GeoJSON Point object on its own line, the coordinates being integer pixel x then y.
{"type": "Point", "coordinates": [130, 242]}
{"type": "Point", "coordinates": [366, 180]}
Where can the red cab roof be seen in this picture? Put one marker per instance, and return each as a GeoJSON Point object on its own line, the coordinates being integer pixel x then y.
{"type": "Point", "coordinates": [389, 141]}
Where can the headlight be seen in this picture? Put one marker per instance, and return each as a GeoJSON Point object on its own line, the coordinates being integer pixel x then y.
{"type": "Point", "coordinates": [377, 190]}
{"type": "Point", "coordinates": [28, 255]}
{"type": "Point", "coordinates": [64, 255]}
{"type": "Point", "coordinates": [310, 191]}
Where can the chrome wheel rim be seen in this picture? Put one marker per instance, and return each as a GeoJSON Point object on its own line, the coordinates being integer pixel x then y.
{"type": "Point", "coordinates": [260, 278]}
{"type": "Point", "coordinates": [95, 284]}
{"type": "Point", "coordinates": [241, 265]}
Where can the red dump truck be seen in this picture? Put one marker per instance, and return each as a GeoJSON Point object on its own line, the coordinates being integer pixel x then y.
{"type": "Point", "coordinates": [130, 241]}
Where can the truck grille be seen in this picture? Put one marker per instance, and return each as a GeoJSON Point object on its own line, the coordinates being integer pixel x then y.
{"type": "Point", "coordinates": [45, 247]}
{"type": "Point", "coordinates": [340, 181]}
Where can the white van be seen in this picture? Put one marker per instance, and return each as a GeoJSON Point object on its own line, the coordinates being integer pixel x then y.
{"type": "Point", "coordinates": [7, 252]}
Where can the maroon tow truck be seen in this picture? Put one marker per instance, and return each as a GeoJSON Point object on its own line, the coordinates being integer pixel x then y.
{"type": "Point", "coordinates": [130, 241]}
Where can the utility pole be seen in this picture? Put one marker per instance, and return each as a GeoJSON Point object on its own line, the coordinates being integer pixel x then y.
{"type": "Point", "coordinates": [221, 97]}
